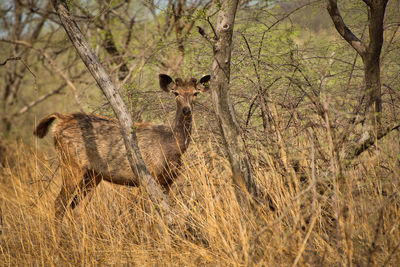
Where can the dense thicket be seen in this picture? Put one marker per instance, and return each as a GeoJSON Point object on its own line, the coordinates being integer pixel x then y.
{"type": "Point", "coordinates": [299, 94]}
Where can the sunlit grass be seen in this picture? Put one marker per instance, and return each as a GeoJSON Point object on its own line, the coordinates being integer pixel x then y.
{"type": "Point", "coordinates": [358, 220]}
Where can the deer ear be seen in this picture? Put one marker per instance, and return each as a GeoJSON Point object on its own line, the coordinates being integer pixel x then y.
{"type": "Point", "coordinates": [205, 82]}
{"type": "Point", "coordinates": [165, 82]}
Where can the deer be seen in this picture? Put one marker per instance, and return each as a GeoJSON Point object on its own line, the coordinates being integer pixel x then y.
{"type": "Point", "coordinates": [90, 148]}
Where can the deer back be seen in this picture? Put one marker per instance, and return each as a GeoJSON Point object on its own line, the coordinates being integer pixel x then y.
{"type": "Point", "coordinates": [91, 142]}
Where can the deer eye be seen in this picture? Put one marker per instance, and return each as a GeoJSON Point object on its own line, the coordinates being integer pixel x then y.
{"type": "Point", "coordinates": [196, 93]}
{"type": "Point", "coordinates": [176, 93]}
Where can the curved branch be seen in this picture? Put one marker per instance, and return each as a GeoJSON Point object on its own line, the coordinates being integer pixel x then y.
{"type": "Point", "coordinates": [344, 31]}
{"type": "Point", "coordinates": [368, 2]}
{"type": "Point", "coordinates": [9, 59]}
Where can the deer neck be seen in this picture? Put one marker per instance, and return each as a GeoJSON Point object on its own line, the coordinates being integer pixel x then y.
{"type": "Point", "coordinates": [182, 130]}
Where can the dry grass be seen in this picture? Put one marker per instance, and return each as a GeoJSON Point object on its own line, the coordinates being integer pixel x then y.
{"type": "Point", "coordinates": [310, 220]}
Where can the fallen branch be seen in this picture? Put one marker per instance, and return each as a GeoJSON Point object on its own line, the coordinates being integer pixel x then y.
{"type": "Point", "coordinates": [359, 149]}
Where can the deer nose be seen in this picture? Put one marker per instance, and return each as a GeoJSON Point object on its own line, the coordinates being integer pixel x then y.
{"type": "Point", "coordinates": [186, 111]}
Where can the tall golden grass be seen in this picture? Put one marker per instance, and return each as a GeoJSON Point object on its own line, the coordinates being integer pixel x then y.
{"type": "Point", "coordinates": [307, 219]}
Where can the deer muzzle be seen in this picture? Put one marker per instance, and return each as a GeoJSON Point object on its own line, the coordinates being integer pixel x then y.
{"type": "Point", "coordinates": [186, 111]}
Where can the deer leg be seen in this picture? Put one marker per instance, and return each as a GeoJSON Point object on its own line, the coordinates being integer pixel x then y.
{"type": "Point", "coordinates": [61, 202]}
{"type": "Point", "coordinates": [86, 189]}
{"type": "Point", "coordinates": [166, 179]}
{"type": "Point", "coordinates": [70, 180]}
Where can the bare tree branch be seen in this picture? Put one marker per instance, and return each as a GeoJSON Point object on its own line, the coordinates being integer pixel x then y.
{"type": "Point", "coordinates": [260, 91]}
{"type": "Point", "coordinates": [344, 31]}
{"type": "Point", "coordinates": [205, 35]}
{"type": "Point", "coordinates": [8, 59]}
{"type": "Point", "coordinates": [39, 100]}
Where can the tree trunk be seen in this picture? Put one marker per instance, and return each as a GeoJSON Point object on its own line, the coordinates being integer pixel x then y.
{"type": "Point", "coordinates": [117, 104]}
{"type": "Point", "coordinates": [241, 169]}
{"type": "Point", "coordinates": [371, 59]}
{"type": "Point", "coordinates": [372, 76]}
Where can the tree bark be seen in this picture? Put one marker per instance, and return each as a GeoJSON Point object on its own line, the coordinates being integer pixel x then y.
{"type": "Point", "coordinates": [220, 78]}
{"type": "Point", "coordinates": [116, 102]}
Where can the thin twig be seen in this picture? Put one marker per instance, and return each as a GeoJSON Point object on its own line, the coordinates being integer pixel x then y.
{"type": "Point", "coordinates": [9, 59]}
{"type": "Point", "coordinates": [39, 100]}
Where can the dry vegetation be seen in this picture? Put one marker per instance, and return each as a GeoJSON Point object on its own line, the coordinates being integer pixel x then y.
{"type": "Point", "coordinates": [297, 221]}
{"type": "Point", "coordinates": [298, 93]}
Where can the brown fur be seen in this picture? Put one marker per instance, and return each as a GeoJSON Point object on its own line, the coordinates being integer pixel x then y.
{"type": "Point", "coordinates": [91, 148]}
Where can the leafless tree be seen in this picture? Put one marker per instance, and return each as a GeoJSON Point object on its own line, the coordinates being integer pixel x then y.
{"type": "Point", "coordinates": [370, 54]}
{"type": "Point", "coordinates": [230, 130]}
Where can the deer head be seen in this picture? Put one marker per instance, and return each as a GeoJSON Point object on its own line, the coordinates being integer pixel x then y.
{"type": "Point", "coordinates": [185, 91]}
